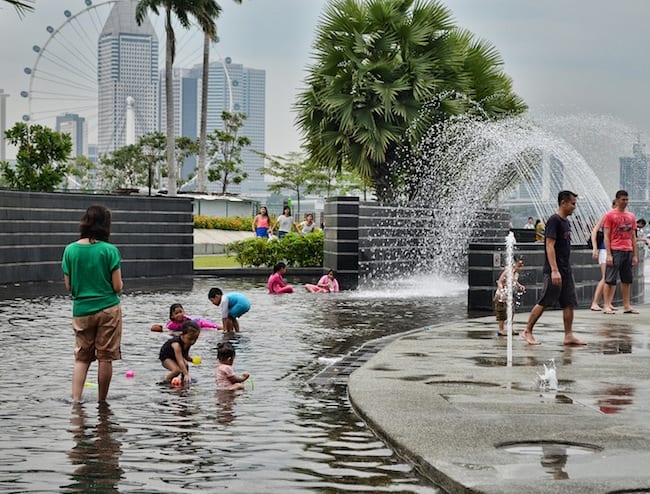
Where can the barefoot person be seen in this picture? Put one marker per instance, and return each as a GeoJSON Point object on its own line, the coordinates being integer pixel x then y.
{"type": "Point", "coordinates": [559, 285]}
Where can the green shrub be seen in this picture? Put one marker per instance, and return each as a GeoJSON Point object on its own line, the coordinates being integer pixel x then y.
{"type": "Point", "coordinates": [296, 250]}
{"type": "Point", "coordinates": [235, 223]}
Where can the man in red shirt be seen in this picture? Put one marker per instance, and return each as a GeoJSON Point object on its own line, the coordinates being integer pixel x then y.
{"type": "Point", "coordinates": [622, 255]}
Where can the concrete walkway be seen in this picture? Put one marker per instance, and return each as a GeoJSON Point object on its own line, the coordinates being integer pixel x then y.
{"type": "Point", "coordinates": [211, 242]}
{"type": "Point", "coordinates": [444, 398]}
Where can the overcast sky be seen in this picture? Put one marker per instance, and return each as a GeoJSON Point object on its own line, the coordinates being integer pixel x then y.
{"type": "Point", "coordinates": [565, 56]}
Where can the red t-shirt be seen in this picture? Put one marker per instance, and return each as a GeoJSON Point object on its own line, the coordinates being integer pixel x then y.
{"type": "Point", "coordinates": [622, 226]}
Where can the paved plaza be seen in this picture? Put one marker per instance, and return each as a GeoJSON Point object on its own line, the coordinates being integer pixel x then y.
{"type": "Point", "coordinates": [444, 398]}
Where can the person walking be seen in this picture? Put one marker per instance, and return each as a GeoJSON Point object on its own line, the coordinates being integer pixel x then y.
{"type": "Point", "coordinates": [92, 274]}
{"type": "Point", "coordinates": [622, 252]}
{"type": "Point", "coordinates": [559, 285]}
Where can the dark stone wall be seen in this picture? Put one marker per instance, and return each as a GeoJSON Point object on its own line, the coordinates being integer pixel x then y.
{"type": "Point", "coordinates": [365, 240]}
{"type": "Point", "coordinates": [154, 234]}
{"type": "Point", "coordinates": [487, 261]}
{"type": "Point", "coordinates": [341, 243]}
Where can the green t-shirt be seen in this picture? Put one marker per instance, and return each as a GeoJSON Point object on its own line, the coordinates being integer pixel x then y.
{"type": "Point", "coordinates": [89, 268]}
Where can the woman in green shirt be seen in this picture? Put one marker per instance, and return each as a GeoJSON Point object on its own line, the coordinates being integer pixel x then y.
{"type": "Point", "coordinates": [92, 274]}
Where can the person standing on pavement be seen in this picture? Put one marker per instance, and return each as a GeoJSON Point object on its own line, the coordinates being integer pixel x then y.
{"type": "Point", "coordinates": [622, 252]}
{"type": "Point", "coordinates": [559, 285]}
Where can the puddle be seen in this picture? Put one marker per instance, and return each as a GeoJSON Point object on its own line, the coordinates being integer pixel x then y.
{"type": "Point", "coordinates": [552, 455]}
{"type": "Point", "coordinates": [465, 383]}
{"type": "Point", "coordinates": [502, 361]}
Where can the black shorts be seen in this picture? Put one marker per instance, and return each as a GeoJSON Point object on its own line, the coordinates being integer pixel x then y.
{"type": "Point", "coordinates": [622, 266]}
{"type": "Point", "coordinates": [564, 294]}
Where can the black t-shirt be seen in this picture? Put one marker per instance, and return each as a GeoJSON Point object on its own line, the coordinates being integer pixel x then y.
{"type": "Point", "coordinates": [559, 229]}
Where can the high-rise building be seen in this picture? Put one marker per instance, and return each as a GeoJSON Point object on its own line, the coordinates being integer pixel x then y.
{"type": "Point", "coordinates": [635, 175]}
{"type": "Point", "coordinates": [239, 89]}
{"type": "Point", "coordinates": [186, 110]}
{"type": "Point", "coordinates": [127, 66]}
{"type": "Point", "coordinates": [73, 124]}
{"type": "Point", "coordinates": [3, 124]}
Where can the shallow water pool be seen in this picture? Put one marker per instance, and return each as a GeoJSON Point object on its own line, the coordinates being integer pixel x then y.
{"type": "Point", "coordinates": [282, 434]}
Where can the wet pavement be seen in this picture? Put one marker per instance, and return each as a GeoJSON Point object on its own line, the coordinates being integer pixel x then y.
{"type": "Point", "coordinates": [445, 399]}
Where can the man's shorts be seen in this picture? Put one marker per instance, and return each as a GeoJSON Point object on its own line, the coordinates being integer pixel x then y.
{"type": "Point", "coordinates": [240, 308]}
{"type": "Point", "coordinates": [98, 336]}
{"type": "Point", "coordinates": [622, 266]}
{"type": "Point", "coordinates": [564, 294]}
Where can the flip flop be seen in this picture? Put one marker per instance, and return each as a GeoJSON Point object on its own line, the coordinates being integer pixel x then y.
{"type": "Point", "coordinates": [631, 311]}
{"type": "Point", "coordinates": [595, 309]}
{"type": "Point", "coordinates": [609, 312]}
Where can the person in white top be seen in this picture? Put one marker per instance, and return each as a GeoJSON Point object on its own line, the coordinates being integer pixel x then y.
{"type": "Point", "coordinates": [307, 226]}
{"type": "Point", "coordinates": [284, 223]}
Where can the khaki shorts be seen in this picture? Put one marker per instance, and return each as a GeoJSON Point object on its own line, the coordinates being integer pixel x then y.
{"type": "Point", "coordinates": [98, 336]}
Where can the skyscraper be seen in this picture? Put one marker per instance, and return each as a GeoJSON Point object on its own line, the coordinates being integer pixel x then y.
{"type": "Point", "coordinates": [3, 124]}
{"type": "Point", "coordinates": [635, 175]}
{"type": "Point", "coordinates": [127, 66]}
{"type": "Point", "coordinates": [239, 89]}
{"type": "Point", "coordinates": [186, 110]}
{"type": "Point", "coordinates": [73, 124]}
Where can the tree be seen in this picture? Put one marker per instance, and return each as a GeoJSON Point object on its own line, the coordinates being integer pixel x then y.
{"type": "Point", "coordinates": [123, 168]}
{"type": "Point", "coordinates": [330, 181]}
{"type": "Point", "coordinates": [41, 161]}
{"type": "Point", "coordinates": [153, 146]}
{"type": "Point", "coordinates": [210, 35]}
{"type": "Point", "coordinates": [182, 9]}
{"type": "Point", "coordinates": [81, 169]}
{"type": "Point", "coordinates": [377, 62]}
{"type": "Point", "coordinates": [226, 146]}
{"type": "Point", "coordinates": [22, 6]}
{"type": "Point", "coordinates": [291, 171]}
{"type": "Point", "coordinates": [185, 148]}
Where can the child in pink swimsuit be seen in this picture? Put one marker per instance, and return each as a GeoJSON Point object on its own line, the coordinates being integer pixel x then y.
{"type": "Point", "coordinates": [276, 283]}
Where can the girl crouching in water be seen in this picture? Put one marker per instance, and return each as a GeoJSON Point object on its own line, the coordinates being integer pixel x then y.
{"type": "Point", "coordinates": [226, 377]}
{"type": "Point", "coordinates": [175, 355]}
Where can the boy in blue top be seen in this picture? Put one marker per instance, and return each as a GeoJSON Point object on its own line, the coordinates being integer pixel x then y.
{"type": "Point", "coordinates": [233, 306]}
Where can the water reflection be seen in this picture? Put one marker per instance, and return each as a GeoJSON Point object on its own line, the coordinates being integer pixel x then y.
{"type": "Point", "coordinates": [96, 451]}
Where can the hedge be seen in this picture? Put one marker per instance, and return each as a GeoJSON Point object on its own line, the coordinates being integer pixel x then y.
{"type": "Point", "coordinates": [293, 249]}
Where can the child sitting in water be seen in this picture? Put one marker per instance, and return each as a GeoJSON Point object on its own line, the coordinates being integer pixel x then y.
{"type": "Point", "coordinates": [177, 317]}
{"type": "Point", "coordinates": [326, 284]}
{"type": "Point", "coordinates": [501, 296]}
{"type": "Point", "coordinates": [174, 354]}
{"type": "Point", "coordinates": [226, 377]}
{"type": "Point", "coordinates": [276, 283]}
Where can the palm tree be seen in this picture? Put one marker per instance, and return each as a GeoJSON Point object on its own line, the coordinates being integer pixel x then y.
{"type": "Point", "coordinates": [210, 36]}
{"type": "Point", "coordinates": [377, 62]}
{"type": "Point", "coordinates": [22, 6]}
{"type": "Point", "coordinates": [182, 9]}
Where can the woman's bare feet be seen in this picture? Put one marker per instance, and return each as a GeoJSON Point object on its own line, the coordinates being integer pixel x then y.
{"type": "Point", "coordinates": [528, 337]}
{"type": "Point", "coordinates": [571, 340]}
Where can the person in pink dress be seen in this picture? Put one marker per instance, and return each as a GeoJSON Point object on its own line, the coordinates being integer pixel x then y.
{"type": "Point", "coordinates": [261, 223]}
{"type": "Point", "coordinates": [327, 284]}
{"type": "Point", "coordinates": [177, 317]}
{"type": "Point", "coordinates": [276, 283]}
{"type": "Point", "coordinates": [225, 375]}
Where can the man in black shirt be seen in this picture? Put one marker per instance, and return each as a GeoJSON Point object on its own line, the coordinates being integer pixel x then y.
{"type": "Point", "coordinates": [559, 285]}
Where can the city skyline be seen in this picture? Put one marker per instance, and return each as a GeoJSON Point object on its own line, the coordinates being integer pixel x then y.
{"type": "Point", "coordinates": [582, 58]}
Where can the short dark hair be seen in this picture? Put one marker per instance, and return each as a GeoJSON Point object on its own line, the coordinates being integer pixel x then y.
{"type": "Point", "coordinates": [621, 193]}
{"type": "Point", "coordinates": [96, 223]}
{"type": "Point", "coordinates": [225, 351]}
{"type": "Point", "coordinates": [214, 292]}
{"type": "Point", "coordinates": [642, 222]}
{"type": "Point", "coordinates": [279, 266]}
{"type": "Point", "coordinates": [565, 195]}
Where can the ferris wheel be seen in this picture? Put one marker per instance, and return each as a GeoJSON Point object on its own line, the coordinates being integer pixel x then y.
{"type": "Point", "coordinates": [63, 76]}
